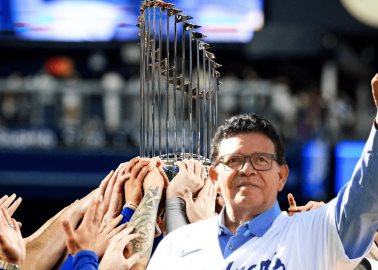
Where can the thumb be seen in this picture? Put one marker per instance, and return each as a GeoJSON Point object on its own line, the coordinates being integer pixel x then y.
{"type": "Point", "coordinates": [291, 200]}
{"type": "Point", "coordinates": [374, 87]}
{"type": "Point", "coordinates": [67, 228]}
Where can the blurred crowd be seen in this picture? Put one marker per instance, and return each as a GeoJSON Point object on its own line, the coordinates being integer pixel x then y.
{"type": "Point", "coordinates": [56, 108]}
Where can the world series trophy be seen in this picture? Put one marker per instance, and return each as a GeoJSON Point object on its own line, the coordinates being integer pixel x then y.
{"type": "Point", "coordinates": [179, 85]}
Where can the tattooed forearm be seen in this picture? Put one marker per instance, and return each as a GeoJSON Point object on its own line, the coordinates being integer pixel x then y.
{"type": "Point", "coordinates": [144, 220]}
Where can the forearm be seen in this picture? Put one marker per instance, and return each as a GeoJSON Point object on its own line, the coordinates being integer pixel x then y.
{"type": "Point", "coordinates": [144, 221]}
{"type": "Point", "coordinates": [175, 214]}
{"type": "Point", "coordinates": [357, 202]}
{"type": "Point", "coordinates": [48, 243]}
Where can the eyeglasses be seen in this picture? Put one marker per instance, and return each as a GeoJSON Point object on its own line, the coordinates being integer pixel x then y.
{"type": "Point", "coordinates": [259, 161]}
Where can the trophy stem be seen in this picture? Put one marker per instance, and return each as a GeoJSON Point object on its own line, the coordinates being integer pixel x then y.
{"type": "Point", "coordinates": [167, 88]}
{"type": "Point", "coordinates": [160, 77]}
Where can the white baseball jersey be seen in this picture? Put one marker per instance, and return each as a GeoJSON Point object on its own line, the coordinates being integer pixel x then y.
{"type": "Point", "coordinates": [306, 241]}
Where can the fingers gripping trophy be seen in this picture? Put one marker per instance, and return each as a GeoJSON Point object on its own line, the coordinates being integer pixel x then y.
{"type": "Point", "coordinates": [179, 85]}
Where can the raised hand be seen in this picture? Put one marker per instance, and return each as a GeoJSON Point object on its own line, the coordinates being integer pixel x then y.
{"type": "Point", "coordinates": [108, 191]}
{"type": "Point", "coordinates": [106, 233]}
{"type": "Point", "coordinates": [293, 209]}
{"type": "Point", "coordinates": [204, 205]}
{"type": "Point", "coordinates": [154, 178]}
{"type": "Point", "coordinates": [10, 204]}
{"type": "Point", "coordinates": [104, 185]}
{"type": "Point", "coordinates": [113, 257]}
{"type": "Point", "coordinates": [116, 199]}
{"type": "Point", "coordinates": [12, 245]}
{"type": "Point", "coordinates": [137, 169]}
{"type": "Point", "coordinates": [144, 218]}
{"type": "Point", "coordinates": [191, 176]}
{"type": "Point", "coordinates": [84, 237]}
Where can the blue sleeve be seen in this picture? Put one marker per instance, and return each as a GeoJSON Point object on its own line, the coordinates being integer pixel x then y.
{"type": "Point", "coordinates": [357, 202]}
{"type": "Point", "coordinates": [127, 214]}
{"type": "Point", "coordinates": [68, 263]}
{"type": "Point", "coordinates": [85, 260]}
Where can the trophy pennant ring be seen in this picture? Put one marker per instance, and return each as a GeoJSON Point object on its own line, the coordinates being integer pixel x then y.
{"type": "Point", "coordinates": [179, 85]}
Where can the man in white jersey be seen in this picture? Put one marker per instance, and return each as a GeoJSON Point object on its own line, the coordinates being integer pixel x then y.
{"type": "Point", "coordinates": [251, 232]}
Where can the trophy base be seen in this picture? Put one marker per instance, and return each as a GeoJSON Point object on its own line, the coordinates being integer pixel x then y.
{"type": "Point", "coordinates": [171, 169]}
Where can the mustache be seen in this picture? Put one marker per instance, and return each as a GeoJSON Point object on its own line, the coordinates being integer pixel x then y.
{"type": "Point", "coordinates": [247, 183]}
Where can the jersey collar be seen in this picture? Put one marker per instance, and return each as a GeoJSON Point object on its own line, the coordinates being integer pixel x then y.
{"type": "Point", "coordinates": [258, 225]}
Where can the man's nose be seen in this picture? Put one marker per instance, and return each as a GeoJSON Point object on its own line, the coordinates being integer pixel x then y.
{"type": "Point", "coordinates": [247, 168]}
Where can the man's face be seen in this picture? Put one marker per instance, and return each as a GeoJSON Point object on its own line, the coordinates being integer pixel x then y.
{"type": "Point", "coordinates": [248, 189]}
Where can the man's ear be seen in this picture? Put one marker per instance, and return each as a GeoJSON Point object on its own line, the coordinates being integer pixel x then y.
{"type": "Point", "coordinates": [213, 174]}
{"type": "Point", "coordinates": [283, 174]}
